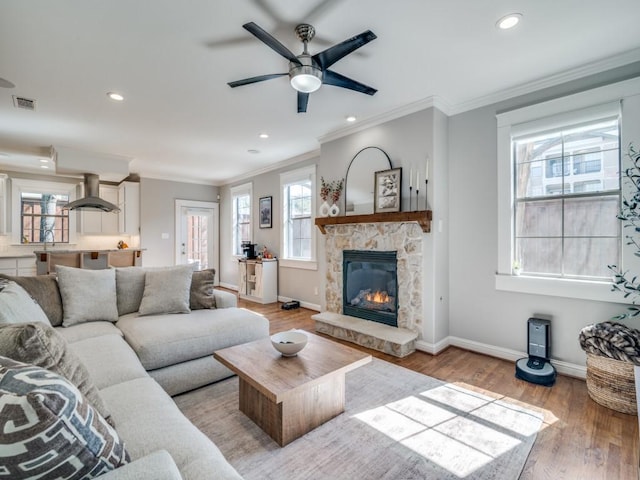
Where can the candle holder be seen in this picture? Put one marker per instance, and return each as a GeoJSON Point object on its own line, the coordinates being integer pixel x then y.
{"type": "Point", "coordinates": [410, 194]}
{"type": "Point", "coordinates": [426, 197]}
{"type": "Point", "coordinates": [417, 197]}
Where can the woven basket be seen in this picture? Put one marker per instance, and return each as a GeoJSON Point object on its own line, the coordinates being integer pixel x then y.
{"type": "Point", "coordinates": [611, 383]}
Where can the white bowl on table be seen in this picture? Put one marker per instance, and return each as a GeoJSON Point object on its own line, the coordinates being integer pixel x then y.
{"type": "Point", "coordinates": [289, 343]}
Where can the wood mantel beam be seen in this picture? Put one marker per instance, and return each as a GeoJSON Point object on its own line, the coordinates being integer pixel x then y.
{"type": "Point", "coordinates": [422, 217]}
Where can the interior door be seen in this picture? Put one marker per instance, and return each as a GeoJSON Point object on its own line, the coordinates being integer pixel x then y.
{"type": "Point", "coordinates": [197, 234]}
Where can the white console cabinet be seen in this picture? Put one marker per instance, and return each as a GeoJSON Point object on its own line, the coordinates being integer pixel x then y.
{"type": "Point", "coordinates": [258, 280]}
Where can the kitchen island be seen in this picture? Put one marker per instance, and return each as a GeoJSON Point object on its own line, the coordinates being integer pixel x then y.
{"type": "Point", "coordinates": [46, 260]}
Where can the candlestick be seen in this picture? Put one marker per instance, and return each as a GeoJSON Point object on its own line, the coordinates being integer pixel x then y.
{"type": "Point", "coordinates": [410, 199]}
{"type": "Point", "coordinates": [417, 197]}
{"type": "Point", "coordinates": [426, 196]}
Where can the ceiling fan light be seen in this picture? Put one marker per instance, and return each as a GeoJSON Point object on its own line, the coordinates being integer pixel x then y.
{"type": "Point", "coordinates": [306, 79]}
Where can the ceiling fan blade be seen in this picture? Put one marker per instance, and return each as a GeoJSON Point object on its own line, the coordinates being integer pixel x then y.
{"type": "Point", "coordinates": [303, 100]}
{"type": "Point", "coordinates": [259, 78]}
{"type": "Point", "coordinates": [330, 77]}
{"type": "Point", "coordinates": [270, 41]}
{"type": "Point", "coordinates": [331, 55]}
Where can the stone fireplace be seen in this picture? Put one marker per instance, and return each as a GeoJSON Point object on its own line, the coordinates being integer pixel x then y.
{"type": "Point", "coordinates": [404, 239]}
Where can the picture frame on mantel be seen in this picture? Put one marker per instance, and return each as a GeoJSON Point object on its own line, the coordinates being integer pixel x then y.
{"type": "Point", "coordinates": [388, 190]}
{"type": "Point", "coordinates": [265, 212]}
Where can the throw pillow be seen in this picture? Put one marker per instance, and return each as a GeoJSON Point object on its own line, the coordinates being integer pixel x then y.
{"type": "Point", "coordinates": [166, 290]}
{"type": "Point", "coordinates": [201, 295]}
{"type": "Point", "coordinates": [87, 295]}
{"type": "Point", "coordinates": [129, 288]}
{"type": "Point", "coordinates": [49, 430]}
{"type": "Point", "coordinates": [44, 290]}
{"type": "Point", "coordinates": [17, 306]}
{"type": "Point", "coordinates": [40, 345]}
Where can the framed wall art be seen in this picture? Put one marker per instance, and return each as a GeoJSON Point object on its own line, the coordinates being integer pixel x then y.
{"type": "Point", "coordinates": [265, 212]}
{"type": "Point", "coordinates": [387, 192]}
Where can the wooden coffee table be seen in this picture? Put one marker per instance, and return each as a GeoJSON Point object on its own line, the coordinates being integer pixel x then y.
{"type": "Point", "coordinates": [290, 396]}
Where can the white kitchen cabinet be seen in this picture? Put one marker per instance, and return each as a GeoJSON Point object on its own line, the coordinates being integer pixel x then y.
{"type": "Point", "coordinates": [258, 280]}
{"type": "Point", "coordinates": [129, 204]}
{"type": "Point", "coordinates": [101, 223]}
{"type": "Point", "coordinates": [23, 266]}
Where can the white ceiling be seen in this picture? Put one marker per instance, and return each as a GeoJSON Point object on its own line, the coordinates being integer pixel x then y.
{"type": "Point", "coordinates": [172, 61]}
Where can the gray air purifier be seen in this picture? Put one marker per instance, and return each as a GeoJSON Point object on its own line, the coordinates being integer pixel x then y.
{"type": "Point", "coordinates": [537, 368]}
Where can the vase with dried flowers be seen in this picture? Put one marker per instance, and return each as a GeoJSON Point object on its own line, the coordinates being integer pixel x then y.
{"type": "Point", "coordinates": [325, 191]}
{"type": "Point", "coordinates": [336, 192]}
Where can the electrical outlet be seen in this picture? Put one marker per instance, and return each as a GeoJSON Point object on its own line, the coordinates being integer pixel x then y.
{"type": "Point", "coordinates": [164, 236]}
{"type": "Point", "coordinates": [315, 290]}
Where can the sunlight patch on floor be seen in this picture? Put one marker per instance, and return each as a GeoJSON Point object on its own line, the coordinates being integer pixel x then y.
{"type": "Point", "coordinates": [460, 430]}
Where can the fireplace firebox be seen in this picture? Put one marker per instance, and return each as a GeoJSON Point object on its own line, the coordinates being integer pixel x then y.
{"type": "Point", "coordinates": [370, 285]}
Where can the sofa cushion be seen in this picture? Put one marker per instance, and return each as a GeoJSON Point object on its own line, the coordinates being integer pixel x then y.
{"type": "Point", "coordinates": [109, 360]}
{"type": "Point", "coordinates": [44, 290]}
{"type": "Point", "coordinates": [87, 295]}
{"type": "Point", "coordinates": [149, 420]}
{"type": "Point", "coordinates": [81, 331]}
{"type": "Point", "coordinates": [129, 288]}
{"type": "Point", "coordinates": [201, 295]}
{"type": "Point", "coordinates": [161, 340]}
{"type": "Point", "coordinates": [40, 345]}
{"type": "Point", "coordinates": [49, 430]}
{"type": "Point", "coordinates": [17, 306]}
{"type": "Point", "coordinates": [166, 290]}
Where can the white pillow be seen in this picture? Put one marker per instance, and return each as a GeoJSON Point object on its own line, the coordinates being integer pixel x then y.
{"type": "Point", "coordinates": [87, 295]}
{"type": "Point", "coordinates": [17, 306]}
{"type": "Point", "coordinates": [166, 290]}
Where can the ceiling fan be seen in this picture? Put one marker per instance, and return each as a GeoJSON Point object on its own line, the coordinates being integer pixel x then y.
{"type": "Point", "coordinates": [308, 72]}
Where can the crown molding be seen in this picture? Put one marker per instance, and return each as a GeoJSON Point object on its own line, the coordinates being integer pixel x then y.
{"type": "Point", "coordinates": [429, 102]}
{"type": "Point", "coordinates": [577, 73]}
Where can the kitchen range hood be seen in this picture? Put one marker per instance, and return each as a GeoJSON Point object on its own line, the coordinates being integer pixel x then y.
{"type": "Point", "coordinates": [91, 199]}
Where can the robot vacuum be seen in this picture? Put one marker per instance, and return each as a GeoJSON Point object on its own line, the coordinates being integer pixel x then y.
{"type": "Point", "coordinates": [537, 368]}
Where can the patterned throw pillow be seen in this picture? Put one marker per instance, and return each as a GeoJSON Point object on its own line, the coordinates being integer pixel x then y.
{"type": "Point", "coordinates": [201, 296]}
{"type": "Point", "coordinates": [49, 430]}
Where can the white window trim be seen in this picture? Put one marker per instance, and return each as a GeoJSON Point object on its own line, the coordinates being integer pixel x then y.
{"type": "Point", "coordinates": [244, 189]}
{"type": "Point", "coordinates": [285, 179]}
{"type": "Point", "coordinates": [585, 105]}
{"type": "Point", "coordinates": [19, 185]}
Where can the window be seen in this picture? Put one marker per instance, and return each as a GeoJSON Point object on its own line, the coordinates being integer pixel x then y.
{"type": "Point", "coordinates": [561, 225]}
{"type": "Point", "coordinates": [241, 217]}
{"type": "Point", "coordinates": [298, 205]}
{"type": "Point", "coordinates": [44, 218]}
{"type": "Point", "coordinates": [39, 213]}
{"type": "Point", "coordinates": [572, 229]}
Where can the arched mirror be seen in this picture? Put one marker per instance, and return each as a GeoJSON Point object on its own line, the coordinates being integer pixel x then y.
{"type": "Point", "coordinates": [359, 185]}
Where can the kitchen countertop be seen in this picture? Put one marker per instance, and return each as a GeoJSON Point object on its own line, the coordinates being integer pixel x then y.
{"type": "Point", "coordinates": [14, 255]}
{"type": "Point", "coordinates": [88, 250]}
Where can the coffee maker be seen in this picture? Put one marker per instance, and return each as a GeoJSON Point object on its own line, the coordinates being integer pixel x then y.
{"type": "Point", "coordinates": [249, 250]}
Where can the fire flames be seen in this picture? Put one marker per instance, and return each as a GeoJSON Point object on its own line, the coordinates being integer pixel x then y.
{"type": "Point", "coordinates": [377, 297]}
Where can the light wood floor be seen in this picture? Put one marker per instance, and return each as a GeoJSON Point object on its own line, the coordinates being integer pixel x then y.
{"type": "Point", "coordinates": [580, 440]}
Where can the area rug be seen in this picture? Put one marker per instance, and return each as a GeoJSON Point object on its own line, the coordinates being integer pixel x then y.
{"type": "Point", "coordinates": [398, 424]}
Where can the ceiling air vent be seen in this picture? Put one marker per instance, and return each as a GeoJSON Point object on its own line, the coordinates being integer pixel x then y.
{"type": "Point", "coordinates": [25, 103]}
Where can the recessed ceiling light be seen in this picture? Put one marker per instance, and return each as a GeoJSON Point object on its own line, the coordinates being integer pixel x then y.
{"type": "Point", "coordinates": [264, 135]}
{"type": "Point", "coordinates": [509, 21]}
{"type": "Point", "coordinates": [253, 150]}
{"type": "Point", "coordinates": [44, 160]}
{"type": "Point", "coordinates": [115, 96]}
{"type": "Point", "coordinates": [351, 118]}
{"type": "Point", "coordinates": [44, 166]}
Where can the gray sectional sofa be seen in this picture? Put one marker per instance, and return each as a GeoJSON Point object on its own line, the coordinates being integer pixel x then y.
{"type": "Point", "coordinates": [158, 342]}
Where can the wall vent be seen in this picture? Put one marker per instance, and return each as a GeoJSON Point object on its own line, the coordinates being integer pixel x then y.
{"type": "Point", "coordinates": [25, 103]}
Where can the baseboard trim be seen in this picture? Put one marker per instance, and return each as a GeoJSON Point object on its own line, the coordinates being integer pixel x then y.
{"type": "Point", "coordinates": [229, 286]}
{"type": "Point", "coordinates": [565, 368]}
{"type": "Point", "coordinates": [310, 306]}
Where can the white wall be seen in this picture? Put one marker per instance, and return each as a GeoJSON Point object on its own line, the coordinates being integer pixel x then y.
{"type": "Point", "coordinates": [478, 312]}
{"type": "Point", "coordinates": [157, 216]}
